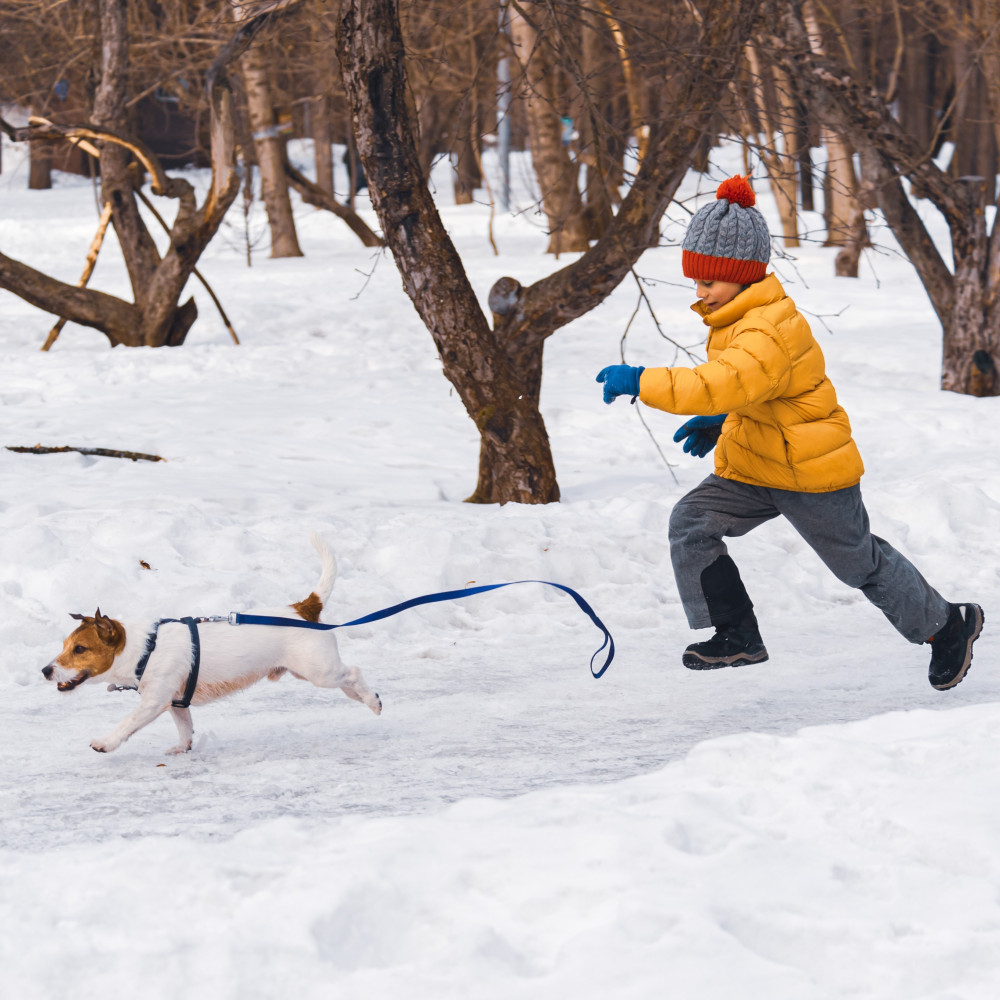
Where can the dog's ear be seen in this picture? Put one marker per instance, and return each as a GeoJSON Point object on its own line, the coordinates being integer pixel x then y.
{"type": "Point", "coordinates": [109, 631]}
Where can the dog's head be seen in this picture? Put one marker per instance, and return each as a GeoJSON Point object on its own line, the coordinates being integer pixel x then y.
{"type": "Point", "coordinates": [89, 650]}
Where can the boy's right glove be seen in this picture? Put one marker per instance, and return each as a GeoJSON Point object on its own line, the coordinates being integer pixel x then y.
{"type": "Point", "coordinates": [620, 380]}
{"type": "Point", "coordinates": [701, 433]}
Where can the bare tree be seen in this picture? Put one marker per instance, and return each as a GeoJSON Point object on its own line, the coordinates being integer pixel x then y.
{"type": "Point", "coordinates": [497, 372]}
{"type": "Point", "coordinates": [155, 317]}
{"type": "Point", "coordinates": [269, 143]}
{"type": "Point", "coordinates": [965, 295]}
{"type": "Point", "coordinates": [531, 28]}
{"type": "Point", "coordinates": [775, 106]}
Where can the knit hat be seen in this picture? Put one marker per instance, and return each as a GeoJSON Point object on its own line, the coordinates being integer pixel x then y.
{"type": "Point", "coordinates": [728, 239]}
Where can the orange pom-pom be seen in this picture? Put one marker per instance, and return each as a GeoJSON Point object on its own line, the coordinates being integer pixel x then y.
{"type": "Point", "coordinates": [737, 189]}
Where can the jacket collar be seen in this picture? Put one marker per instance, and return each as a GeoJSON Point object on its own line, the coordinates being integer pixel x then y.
{"type": "Point", "coordinates": [760, 293]}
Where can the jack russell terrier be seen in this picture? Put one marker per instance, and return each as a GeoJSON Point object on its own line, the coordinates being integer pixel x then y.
{"type": "Point", "coordinates": [175, 663]}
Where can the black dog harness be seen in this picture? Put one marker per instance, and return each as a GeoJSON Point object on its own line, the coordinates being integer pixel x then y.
{"type": "Point", "coordinates": [192, 682]}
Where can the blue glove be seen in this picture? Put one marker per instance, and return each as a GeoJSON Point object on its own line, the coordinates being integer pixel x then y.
{"type": "Point", "coordinates": [701, 434]}
{"type": "Point", "coordinates": [620, 380]}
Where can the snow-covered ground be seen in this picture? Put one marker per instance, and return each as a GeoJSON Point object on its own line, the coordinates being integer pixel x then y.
{"type": "Point", "coordinates": [821, 826]}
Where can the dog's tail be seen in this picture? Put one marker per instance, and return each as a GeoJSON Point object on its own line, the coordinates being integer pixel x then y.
{"type": "Point", "coordinates": [329, 574]}
{"type": "Point", "coordinates": [311, 607]}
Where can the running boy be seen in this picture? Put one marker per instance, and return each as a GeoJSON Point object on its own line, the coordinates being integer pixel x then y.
{"type": "Point", "coordinates": [782, 444]}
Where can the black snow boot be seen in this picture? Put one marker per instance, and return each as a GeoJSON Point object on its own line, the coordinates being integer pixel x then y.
{"type": "Point", "coordinates": [951, 648]}
{"type": "Point", "coordinates": [733, 645]}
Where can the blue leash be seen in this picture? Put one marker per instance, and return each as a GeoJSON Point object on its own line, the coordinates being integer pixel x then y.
{"type": "Point", "coordinates": [238, 618]}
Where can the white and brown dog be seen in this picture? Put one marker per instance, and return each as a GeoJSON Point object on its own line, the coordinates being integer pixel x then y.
{"type": "Point", "coordinates": [231, 658]}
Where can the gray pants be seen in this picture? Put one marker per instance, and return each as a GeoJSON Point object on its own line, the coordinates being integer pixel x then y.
{"type": "Point", "coordinates": [835, 525]}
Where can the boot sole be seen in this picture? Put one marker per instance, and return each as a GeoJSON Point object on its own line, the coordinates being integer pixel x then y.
{"type": "Point", "coordinates": [960, 676]}
{"type": "Point", "coordinates": [695, 662]}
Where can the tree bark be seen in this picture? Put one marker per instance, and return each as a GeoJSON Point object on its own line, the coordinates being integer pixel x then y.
{"type": "Point", "coordinates": [510, 425]}
{"type": "Point", "coordinates": [839, 191]}
{"type": "Point", "coordinates": [322, 143]}
{"type": "Point", "coordinates": [138, 249]}
{"type": "Point", "coordinates": [602, 147]}
{"type": "Point", "coordinates": [466, 177]}
{"type": "Point", "coordinates": [556, 172]}
{"type": "Point", "coordinates": [40, 166]}
{"type": "Point", "coordinates": [639, 128]}
{"type": "Point", "coordinates": [270, 149]}
{"type": "Point", "coordinates": [776, 110]}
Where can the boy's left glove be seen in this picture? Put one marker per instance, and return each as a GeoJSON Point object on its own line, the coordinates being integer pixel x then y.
{"type": "Point", "coordinates": [701, 433]}
{"type": "Point", "coordinates": [620, 380]}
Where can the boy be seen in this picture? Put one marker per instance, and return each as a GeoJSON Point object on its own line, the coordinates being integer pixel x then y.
{"type": "Point", "coordinates": [782, 444]}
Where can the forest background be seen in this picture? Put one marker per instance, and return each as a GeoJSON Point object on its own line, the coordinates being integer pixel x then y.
{"type": "Point", "coordinates": [859, 107]}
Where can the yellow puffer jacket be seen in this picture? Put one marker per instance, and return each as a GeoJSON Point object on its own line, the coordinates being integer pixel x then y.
{"type": "Point", "coordinates": [785, 428]}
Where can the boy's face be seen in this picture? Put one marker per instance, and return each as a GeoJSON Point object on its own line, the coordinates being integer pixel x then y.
{"type": "Point", "coordinates": [717, 293]}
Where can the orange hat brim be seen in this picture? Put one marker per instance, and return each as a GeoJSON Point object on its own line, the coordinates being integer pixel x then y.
{"type": "Point", "coordinates": [703, 267]}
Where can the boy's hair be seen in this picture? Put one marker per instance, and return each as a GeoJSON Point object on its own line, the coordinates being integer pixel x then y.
{"type": "Point", "coordinates": [728, 239]}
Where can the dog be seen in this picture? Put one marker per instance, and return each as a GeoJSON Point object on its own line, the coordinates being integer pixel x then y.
{"type": "Point", "coordinates": [231, 658]}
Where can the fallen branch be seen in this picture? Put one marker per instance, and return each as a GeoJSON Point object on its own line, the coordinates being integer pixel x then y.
{"type": "Point", "coordinates": [40, 449]}
{"type": "Point", "coordinates": [95, 249]}
{"type": "Point", "coordinates": [313, 194]}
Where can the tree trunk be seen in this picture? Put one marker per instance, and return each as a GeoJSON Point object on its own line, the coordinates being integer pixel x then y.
{"type": "Point", "coordinates": [325, 81]}
{"type": "Point", "coordinates": [852, 243]}
{"type": "Point", "coordinates": [322, 143]}
{"type": "Point", "coordinates": [468, 177]}
{"type": "Point", "coordinates": [840, 186]}
{"type": "Point", "coordinates": [511, 428]}
{"type": "Point", "coordinates": [805, 166]}
{"type": "Point", "coordinates": [973, 124]}
{"type": "Point", "coordinates": [601, 147]}
{"type": "Point", "coordinates": [40, 166]}
{"type": "Point", "coordinates": [270, 149]}
{"type": "Point", "coordinates": [856, 239]}
{"type": "Point", "coordinates": [432, 130]}
{"type": "Point", "coordinates": [138, 249]}
{"type": "Point", "coordinates": [638, 127]}
{"type": "Point", "coordinates": [776, 110]}
{"type": "Point", "coordinates": [465, 159]}
{"type": "Point", "coordinates": [972, 346]}
{"type": "Point", "coordinates": [557, 174]}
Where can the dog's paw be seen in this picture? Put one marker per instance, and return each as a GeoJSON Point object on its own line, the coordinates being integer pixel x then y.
{"type": "Point", "coordinates": [103, 746]}
{"type": "Point", "coordinates": [376, 704]}
{"type": "Point", "coordinates": [179, 749]}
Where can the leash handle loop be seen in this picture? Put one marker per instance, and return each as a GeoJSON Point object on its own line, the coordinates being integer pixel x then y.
{"type": "Point", "coordinates": [238, 618]}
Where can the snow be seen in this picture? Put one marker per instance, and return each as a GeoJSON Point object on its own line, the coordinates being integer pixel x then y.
{"type": "Point", "coordinates": [820, 826]}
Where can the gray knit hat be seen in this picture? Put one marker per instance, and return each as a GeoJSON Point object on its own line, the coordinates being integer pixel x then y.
{"type": "Point", "coordinates": [728, 239]}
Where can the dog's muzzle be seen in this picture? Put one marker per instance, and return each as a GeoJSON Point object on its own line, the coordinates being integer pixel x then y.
{"type": "Point", "coordinates": [75, 681]}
